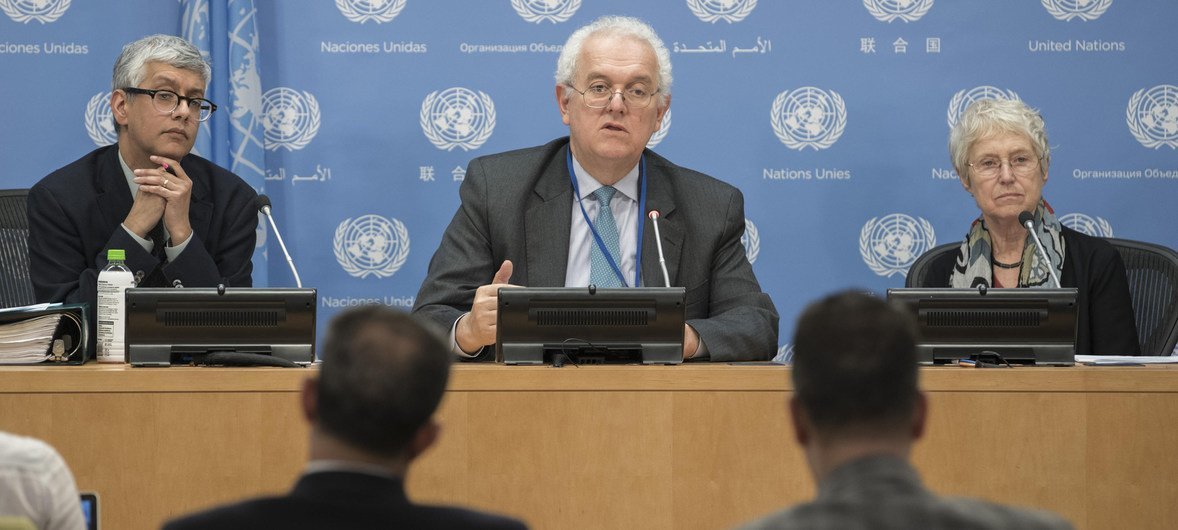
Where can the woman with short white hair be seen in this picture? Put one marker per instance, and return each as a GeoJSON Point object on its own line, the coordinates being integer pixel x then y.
{"type": "Point", "coordinates": [1000, 151]}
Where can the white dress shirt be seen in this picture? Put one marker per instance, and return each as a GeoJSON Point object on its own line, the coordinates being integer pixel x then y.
{"type": "Point", "coordinates": [624, 206]}
{"type": "Point", "coordinates": [35, 483]}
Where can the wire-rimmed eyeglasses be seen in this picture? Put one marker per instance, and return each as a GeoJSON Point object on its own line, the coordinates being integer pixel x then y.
{"type": "Point", "coordinates": [1023, 165]}
{"type": "Point", "coordinates": [598, 95]}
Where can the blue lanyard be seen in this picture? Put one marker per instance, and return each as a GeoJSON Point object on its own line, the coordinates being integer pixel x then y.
{"type": "Point", "coordinates": [593, 229]}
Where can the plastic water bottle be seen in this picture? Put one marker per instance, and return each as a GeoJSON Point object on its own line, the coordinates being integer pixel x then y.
{"type": "Point", "coordinates": [113, 281]}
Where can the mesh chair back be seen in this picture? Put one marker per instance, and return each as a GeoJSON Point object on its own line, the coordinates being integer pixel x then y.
{"type": "Point", "coordinates": [1152, 271]}
{"type": "Point", "coordinates": [918, 273]}
{"type": "Point", "coordinates": [15, 287]}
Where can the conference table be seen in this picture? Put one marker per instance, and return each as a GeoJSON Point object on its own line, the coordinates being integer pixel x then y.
{"type": "Point", "coordinates": [696, 446]}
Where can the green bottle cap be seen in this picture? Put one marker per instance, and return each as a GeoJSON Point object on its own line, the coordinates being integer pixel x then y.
{"type": "Point", "coordinates": [116, 254]}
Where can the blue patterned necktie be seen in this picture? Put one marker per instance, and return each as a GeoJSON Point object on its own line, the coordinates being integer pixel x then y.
{"type": "Point", "coordinates": [600, 272]}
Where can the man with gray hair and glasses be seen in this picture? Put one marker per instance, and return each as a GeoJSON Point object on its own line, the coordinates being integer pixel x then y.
{"type": "Point", "coordinates": [181, 219]}
{"type": "Point", "coordinates": [573, 212]}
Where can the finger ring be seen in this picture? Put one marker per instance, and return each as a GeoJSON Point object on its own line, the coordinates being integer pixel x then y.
{"type": "Point", "coordinates": [165, 183]}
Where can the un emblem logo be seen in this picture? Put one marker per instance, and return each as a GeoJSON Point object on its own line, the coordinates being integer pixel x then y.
{"type": "Point", "coordinates": [890, 244]}
{"type": "Point", "coordinates": [1085, 224]}
{"type": "Point", "coordinates": [457, 117]}
{"type": "Point", "coordinates": [664, 126]}
{"type": "Point", "coordinates": [808, 117]}
{"type": "Point", "coordinates": [751, 241]}
{"type": "Point", "coordinates": [727, 10]}
{"type": "Point", "coordinates": [964, 98]}
{"type": "Point", "coordinates": [362, 11]}
{"type": "Point", "coordinates": [371, 245]}
{"type": "Point", "coordinates": [100, 124]}
{"type": "Point", "coordinates": [1152, 116]}
{"type": "Point", "coordinates": [291, 118]}
{"type": "Point", "coordinates": [906, 10]}
{"type": "Point", "coordinates": [43, 11]}
{"type": "Point", "coordinates": [538, 11]}
{"type": "Point", "coordinates": [1066, 10]}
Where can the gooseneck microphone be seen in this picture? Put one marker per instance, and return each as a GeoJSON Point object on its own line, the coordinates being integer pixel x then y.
{"type": "Point", "coordinates": [263, 204]}
{"type": "Point", "coordinates": [658, 241]}
{"type": "Point", "coordinates": [1028, 220]}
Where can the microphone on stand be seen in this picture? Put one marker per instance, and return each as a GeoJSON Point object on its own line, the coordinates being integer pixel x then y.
{"type": "Point", "coordinates": [658, 241]}
{"type": "Point", "coordinates": [262, 202]}
{"type": "Point", "coordinates": [1028, 220]}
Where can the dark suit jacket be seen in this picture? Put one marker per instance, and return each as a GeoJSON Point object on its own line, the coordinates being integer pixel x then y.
{"type": "Point", "coordinates": [1105, 324]}
{"type": "Point", "coordinates": [517, 206]}
{"type": "Point", "coordinates": [885, 493]}
{"type": "Point", "coordinates": [75, 215]}
{"type": "Point", "coordinates": [344, 500]}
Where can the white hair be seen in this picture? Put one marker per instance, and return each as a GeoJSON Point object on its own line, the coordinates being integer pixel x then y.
{"type": "Point", "coordinates": [130, 67]}
{"type": "Point", "coordinates": [987, 117]}
{"type": "Point", "coordinates": [566, 65]}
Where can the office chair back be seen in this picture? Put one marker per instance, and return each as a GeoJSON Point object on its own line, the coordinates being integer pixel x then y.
{"type": "Point", "coordinates": [1152, 271]}
{"type": "Point", "coordinates": [918, 273]}
{"type": "Point", "coordinates": [16, 289]}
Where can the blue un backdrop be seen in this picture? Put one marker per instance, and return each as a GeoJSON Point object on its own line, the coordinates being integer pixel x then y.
{"type": "Point", "coordinates": [358, 117]}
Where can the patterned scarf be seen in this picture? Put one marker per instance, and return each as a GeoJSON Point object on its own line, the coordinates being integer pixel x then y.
{"type": "Point", "coordinates": [973, 267]}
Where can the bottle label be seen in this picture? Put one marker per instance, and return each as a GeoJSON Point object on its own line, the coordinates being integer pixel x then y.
{"type": "Point", "coordinates": [112, 287]}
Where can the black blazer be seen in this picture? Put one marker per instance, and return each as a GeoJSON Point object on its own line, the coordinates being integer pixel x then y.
{"type": "Point", "coordinates": [1105, 324]}
{"type": "Point", "coordinates": [344, 500]}
{"type": "Point", "coordinates": [517, 206]}
{"type": "Point", "coordinates": [76, 212]}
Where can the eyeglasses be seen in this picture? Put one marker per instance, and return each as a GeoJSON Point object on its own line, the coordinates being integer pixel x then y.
{"type": "Point", "coordinates": [167, 101]}
{"type": "Point", "coordinates": [1020, 166]}
{"type": "Point", "coordinates": [598, 95]}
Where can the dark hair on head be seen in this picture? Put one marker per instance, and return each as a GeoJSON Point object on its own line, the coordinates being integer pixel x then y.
{"type": "Point", "coordinates": [382, 377]}
{"type": "Point", "coordinates": [855, 364]}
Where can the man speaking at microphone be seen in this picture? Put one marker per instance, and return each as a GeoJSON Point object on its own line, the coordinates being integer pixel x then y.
{"type": "Point", "coordinates": [574, 212]}
{"type": "Point", "coordinates": [181, 219]}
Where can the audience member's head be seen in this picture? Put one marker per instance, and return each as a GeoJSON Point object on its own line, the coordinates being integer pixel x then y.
{"type": "Point", "coordinates": [855, 378]}
{"type": "Point", "coordinates": [371, 412]}
{"type": "Point", "coordinates": [37, 489]}
{"type": "Point", "coordinates": [382, 377]}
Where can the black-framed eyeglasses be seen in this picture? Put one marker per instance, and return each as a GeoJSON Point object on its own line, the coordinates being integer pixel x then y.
{"type": "Point", "coordinates": [598, 95]}
{"type": "Point", "coordinates": [167, 101]}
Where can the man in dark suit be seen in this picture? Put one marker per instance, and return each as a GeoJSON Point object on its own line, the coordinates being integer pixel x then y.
{"type": "Point", "coordinates": [857, 411]}
{"type": "Point", "coordinates": [371, 413]}
{"type": "Point", "coordinates": [178, 217]}
{"type": "Point", "coordinates": [573, 212]}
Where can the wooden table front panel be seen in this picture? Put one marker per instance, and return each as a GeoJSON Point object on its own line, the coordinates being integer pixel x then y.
{"type": "Point", "coordinates": [685, 447]}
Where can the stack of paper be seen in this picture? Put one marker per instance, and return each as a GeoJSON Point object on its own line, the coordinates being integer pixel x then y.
{"type": "Point", "coordinates": [28, 341]}
{"type": "Point", "coordinates": [1122, 360]}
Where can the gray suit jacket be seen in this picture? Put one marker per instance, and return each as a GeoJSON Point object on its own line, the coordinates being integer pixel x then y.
{"type": "Point", "coordinates": [517, 206]}
{"type": "Point", "coordinates": [885, 493]}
